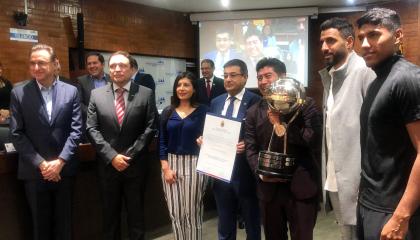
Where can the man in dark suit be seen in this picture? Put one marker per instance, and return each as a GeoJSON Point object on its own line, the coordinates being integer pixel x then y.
{"type": "Point", "coordinates": [240, 192]}
{"type": "Point", "coordinates": [143, 79]}
{"type": "Point", "coordinates": [120, 125]}
{"type": "Point", "coordinates": [209, 86]}
{"type": "Point", "coordinates": [223, 52]}
{"type": "Point", "coordinates": [45, 129]}
{"type": "Point", "coordinates": [285, 202]}
{"type": "Point", "coordinates": [95, 78]}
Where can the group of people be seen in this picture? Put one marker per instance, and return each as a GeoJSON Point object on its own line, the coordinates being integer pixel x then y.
{"type": "Point", "coordinates": [368, 137]}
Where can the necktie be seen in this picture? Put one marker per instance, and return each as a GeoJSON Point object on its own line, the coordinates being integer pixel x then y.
{"type": "Point", "coordinates": [120, 105]}
{"type": "Point", "coordinates": [229, 111]}
{"type": "Point", "coordinates": [208, 88]}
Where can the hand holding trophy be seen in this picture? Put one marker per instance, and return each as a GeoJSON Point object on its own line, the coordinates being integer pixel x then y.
{"type": "Point", "coordinates": [284, 96]}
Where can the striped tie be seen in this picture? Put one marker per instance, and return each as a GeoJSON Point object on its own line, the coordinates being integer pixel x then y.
{"type": "Point", "coordinates": [120, 105]}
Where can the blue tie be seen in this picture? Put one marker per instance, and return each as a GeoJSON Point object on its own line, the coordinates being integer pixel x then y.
{"type": "Point", "coordinates": [229, 111]}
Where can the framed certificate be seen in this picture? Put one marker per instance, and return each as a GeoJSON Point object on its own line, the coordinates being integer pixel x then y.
{"type": "Point", "coordinates": [218, 151]}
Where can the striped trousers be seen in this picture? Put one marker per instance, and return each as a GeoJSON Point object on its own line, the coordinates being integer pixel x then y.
{"type": "Point", "coordinates": [185, 197]}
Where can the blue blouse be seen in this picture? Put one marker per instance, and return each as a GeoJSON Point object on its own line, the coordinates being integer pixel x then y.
{"type": "Point", "coordinates": [177, 135]}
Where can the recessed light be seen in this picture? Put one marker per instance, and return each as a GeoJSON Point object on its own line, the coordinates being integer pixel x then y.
{"type": "Point", "coordinates": [225, 3]}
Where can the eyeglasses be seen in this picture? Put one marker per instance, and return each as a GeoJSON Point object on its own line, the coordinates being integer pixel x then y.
{"type": "Point", "coordinates": [39, 63]}
{"type": "Point", "coordinates": [120, 65]}
{"type": "Point", "coordinates": [231, 75]}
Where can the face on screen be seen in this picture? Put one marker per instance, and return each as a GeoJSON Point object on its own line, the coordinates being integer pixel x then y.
{"type": "Point", "coordinates": [334, 47]}
{"type": "Point", "coordinates": [253, 46]}
{"type": "Point", "coordinates": [223, 42]}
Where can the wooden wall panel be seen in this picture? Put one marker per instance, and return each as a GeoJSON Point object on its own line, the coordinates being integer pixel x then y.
{"type": "Point", "coordinates": [109, 25]}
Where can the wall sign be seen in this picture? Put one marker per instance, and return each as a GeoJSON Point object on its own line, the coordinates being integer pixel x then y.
{"type": "Point", "coordinates": [23, 35]}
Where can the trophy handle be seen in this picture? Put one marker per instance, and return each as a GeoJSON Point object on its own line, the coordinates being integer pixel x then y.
{"type": "Point", "coordinates": [271, 138]}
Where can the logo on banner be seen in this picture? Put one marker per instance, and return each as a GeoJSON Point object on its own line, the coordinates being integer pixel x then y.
{"type": "Point", "coordinates": [160, 81]}
{"type": "Point", "coordinates": [161, 100]}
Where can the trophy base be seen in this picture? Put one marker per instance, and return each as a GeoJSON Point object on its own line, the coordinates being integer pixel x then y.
{"type": "Point", "coordinates": [279, 165]}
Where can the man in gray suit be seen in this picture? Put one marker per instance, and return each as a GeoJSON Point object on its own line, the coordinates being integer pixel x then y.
{"type": "Point", "coordinates": [120, 125]}
{"type": "Point", "coordinates": [45, 128]}
{"type": "Point", "coordinates": [345, 79]}
{"type": "Point", "coordinates": [95, 78]}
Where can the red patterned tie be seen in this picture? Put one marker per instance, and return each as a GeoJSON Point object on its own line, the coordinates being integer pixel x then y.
{"type": "Point", "coordinates": [120, 105]}
{"type": "Point", "coordinates": [208, 88]}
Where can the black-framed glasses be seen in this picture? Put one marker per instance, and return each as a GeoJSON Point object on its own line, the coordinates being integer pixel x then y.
{"type": "Point", "coordinates": [231, 75]}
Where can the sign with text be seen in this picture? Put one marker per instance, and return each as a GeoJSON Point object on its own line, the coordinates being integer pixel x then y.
{"type": "Point", "coordinates": [23, 35]}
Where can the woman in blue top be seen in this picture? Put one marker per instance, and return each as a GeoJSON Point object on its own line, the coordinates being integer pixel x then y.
{"type": "Point", "coordinates": [181, 124]}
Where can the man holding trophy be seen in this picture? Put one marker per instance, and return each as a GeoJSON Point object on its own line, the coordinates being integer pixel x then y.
{"type": "Point", "coordinates": [282, 136]}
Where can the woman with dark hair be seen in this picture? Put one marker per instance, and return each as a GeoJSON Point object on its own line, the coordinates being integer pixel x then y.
{"type": "Point", "coordinates": [5, 89]}
{"type": "Point", "coordinates": [181, 124]}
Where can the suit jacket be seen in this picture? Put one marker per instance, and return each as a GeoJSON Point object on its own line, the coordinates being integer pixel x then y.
{"type": "Point", "coordinates": [85, 87]}
{"type": "Point", "coordinates": [136, 132]}
{"type": "Point", "coordinates": [217, 89]}
{"type": "Point", "coordinates": [145, 80]}
{"type": "Point", "coordinates": [35, 137]}
{"type": "Point", "coordinates": [304, 142]}
{"type": "Point", "coordinates": [242, 174]}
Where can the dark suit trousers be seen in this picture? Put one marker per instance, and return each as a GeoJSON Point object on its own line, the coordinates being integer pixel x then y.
{"type": "Point", "coordinates": [284, 208]}
{"type": "Point", "coordinates": [116, 188]}
{"type": "Point", "coordinates": [229, 202]}
{"type": "Point", "coordinates": [51, 207]}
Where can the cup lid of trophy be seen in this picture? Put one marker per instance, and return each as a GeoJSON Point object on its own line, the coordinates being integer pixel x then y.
{"type": "Point", "coordinates": [285, 95]}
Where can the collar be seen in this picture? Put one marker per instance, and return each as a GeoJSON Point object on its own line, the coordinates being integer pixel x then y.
{"type": "Point", "coordinates": [48, 88]}
{"type": "Point", "coordinates": [238, 96]}
{"type": "Point", "coordinates": [94, 78]}
{"type": "Point", "coordinates": [341, 72]}
{"type": "Point", "coordinates": [211, 79]}
{"type": "Point", "coordinates": [385, 67]}
{"type": "Point", "coordinates": [134, 75]}
{"type": "Point", "coordinates": [126, 87]}
{"type": "Point", "coordinates": [225, 54]}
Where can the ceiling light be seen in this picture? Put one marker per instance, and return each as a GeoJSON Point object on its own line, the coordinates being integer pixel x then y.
{"type": "Point", "coordinates": [225, 3]}
{"type": "Point", "coordinates": [350, 1]}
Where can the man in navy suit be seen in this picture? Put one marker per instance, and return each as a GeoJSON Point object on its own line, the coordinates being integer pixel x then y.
{"type": "Point", "coordinates": [45, 129]}
{"type": "Point", "coordinates": [209, 86]}
{"type": "Point", "coordinates": [139, 78]}
{"type": "Point", "coordinates": [224, 51]}
{"type": "Point", "coordinates": [120, 125]}
{"type": "Point", "coordinates": [240, 193]}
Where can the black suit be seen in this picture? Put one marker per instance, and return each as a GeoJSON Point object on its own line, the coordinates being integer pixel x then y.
{"type": "Point", "coordinates": [216, 90]}
{"type": "Point", "coordinates": [131, 139]}
{"type": "Point", "coordinates": [145, 80]}
{"type": "Point", "coordinates": [295, 201]}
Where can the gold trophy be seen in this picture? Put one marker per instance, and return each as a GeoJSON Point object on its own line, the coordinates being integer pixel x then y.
{"type": "Point", "coordinates": [285, 96]}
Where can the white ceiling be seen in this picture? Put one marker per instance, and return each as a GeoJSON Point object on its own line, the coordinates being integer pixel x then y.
{"type": "Point", "coordinates": [196, 6]}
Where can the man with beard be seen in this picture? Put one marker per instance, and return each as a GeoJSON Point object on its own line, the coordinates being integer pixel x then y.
{"type": "Point", "coordinates": [345, 81]}
{"type": "Point", "coordinates": [389, 194]}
